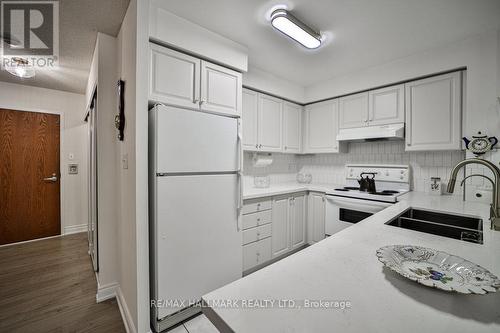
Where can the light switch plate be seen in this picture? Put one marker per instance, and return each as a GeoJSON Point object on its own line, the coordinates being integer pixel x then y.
{"type": "Point", "coordinates": [73, 169]}
{"type": "Point", "coordinates": [125, 161]}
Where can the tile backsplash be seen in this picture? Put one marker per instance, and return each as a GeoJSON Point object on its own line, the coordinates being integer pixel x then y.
{"type": "Point", "coordinates": [330, 168]}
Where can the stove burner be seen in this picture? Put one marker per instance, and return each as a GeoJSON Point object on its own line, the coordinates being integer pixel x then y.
{"type": "Point", "coordinates": [347, 188]}
{"type": "Point", "coordinates": [380, 193]}
{"type": "Point", "coordinates": [341, 189]}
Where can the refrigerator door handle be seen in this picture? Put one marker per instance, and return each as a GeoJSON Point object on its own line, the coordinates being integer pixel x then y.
{"type": "Point", "coordinates": [240, 180]}
{"type": "Point", "coordinates": [240, 202]}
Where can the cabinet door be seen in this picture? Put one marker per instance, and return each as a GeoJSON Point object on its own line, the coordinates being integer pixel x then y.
{"type": "Point", "coordinates": [220, 89]}
{"type": "Point", "coordinates": [433, 113]}
{"type": "Point", "coordinates": [174, 77]}
{"type": "Point", "coordinates": [321, 127]}
{"type": "Point", "coordinates": [270, 123]}
{"type": "Point", "coordinates": [280, 227]}
{"type": "Point", "coordinates": [292, 123]}
{"type": "Point", "coordinates": [353, 110]}
{"type": "Point", "coordinates": [249, 119]}
{"type": "Point", "coordinates": [316, 218]}
{"type": "Point", "coordinates": [386, 105]}
{"type": "Point", "coordinates": [298, 221]}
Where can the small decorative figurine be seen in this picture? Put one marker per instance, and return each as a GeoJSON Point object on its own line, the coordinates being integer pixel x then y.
{"type": "Point", "coordinates": [480, 144]}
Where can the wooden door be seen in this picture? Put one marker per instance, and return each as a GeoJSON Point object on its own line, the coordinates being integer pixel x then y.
{"type": "Point", "coordinates": [292, 124]}
{"type": "Point", "coordinates": [220, 89]}
{"type": "Point", "coordinates": [353, 110]}
{"type": "Point", "coordinates": [29, 153]}
{"type": "Point", "coordinates": [249, 120]}
{"type": "Point", "coordinates": [270, 123]}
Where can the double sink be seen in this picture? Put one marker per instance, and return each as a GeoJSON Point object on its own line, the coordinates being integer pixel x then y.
{"type": "Point", "coordinates": [464, 228]}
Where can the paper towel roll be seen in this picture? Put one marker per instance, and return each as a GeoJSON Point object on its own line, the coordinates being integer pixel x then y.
{"type": "Point", "coordinates": [261, 161]}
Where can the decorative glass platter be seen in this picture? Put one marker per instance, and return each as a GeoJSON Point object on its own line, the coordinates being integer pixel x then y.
{"type": "Point", "coordinates": [438, 269]}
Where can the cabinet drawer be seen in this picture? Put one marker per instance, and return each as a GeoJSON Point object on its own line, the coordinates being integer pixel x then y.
{"type": "Point", "coordinates": [256, 219]}
{"type": "Point", "coordinates": [256, 253]}
{"type": "Point", "coordinates": [256, 206]}
{"type": "Point", "coordinates": [257, 233]}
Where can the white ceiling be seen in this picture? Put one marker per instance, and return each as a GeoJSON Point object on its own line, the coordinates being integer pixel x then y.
{"type": "Point", "coordinates": [360, 33]}
{"type": "Point", "coordinates": [80, 20]}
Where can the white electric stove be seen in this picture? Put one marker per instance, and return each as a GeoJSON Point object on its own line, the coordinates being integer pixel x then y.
{"type": "Point", "coordinates": [348, 205]}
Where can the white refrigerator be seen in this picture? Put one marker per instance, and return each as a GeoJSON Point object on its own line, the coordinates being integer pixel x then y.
{"type": "Point", "coordinates": [195, 203]}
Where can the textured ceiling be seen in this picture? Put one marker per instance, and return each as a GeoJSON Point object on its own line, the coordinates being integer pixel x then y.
{"type": "Point", "coordinates": [360, 33]}
{"type": "Point", "coordinates": [80, 20]}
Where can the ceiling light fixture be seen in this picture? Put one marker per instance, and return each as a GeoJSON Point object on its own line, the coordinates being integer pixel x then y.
{"type": "Point", "coordinates": [289, 25]}
{"type": "Point", "coordinates": [20, 67]}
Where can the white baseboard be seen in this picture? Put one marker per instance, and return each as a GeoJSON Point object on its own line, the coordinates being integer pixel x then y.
{"type": "Point", "coordinates": [127, 318]}
{"type": "Point", "coordinates": [74, 229]}
{"type": "Point", "coordinates": [106, 292]}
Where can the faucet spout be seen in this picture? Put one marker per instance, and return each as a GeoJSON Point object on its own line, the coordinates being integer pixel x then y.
{"type": "Point", "coordinates": [495, 206]}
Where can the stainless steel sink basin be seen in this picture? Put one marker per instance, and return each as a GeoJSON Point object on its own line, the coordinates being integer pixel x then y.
{"type": "Point", "coordinates": [464, 228]}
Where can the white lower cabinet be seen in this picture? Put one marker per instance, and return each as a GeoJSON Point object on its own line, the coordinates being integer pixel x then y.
{"type": "Point", "coordinates": [272, 228]}
{"type": "Point", "coordinates": [256, 253]}
{"type": "Point", "coordinates": [280, 237]}
{"type": "Point", "coordinates": [297, 216]}
{"type": "Point", "coordinates": [316, 217]}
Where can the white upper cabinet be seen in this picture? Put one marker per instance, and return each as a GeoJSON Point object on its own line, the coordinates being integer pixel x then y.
{"type": "Point", "coordinates": [220, 89]}
{"type": "Point", "coordinates": [174, 77]}
{"type": "Point", "coordinates": [270, 123]}
{"type": "Point", "coordinates": [178, 79]}
{"type": "Point", "coordinates": [249, 120]}
{"type": "Point", "coordinates": [292, 124]}
{"type": "Point", "coordinates": [353, 110]}
{"type": "Point", "coordinates": [433, 113]}
{"type": "Point", "coordinates": [321, 127]}
{"type": "Point", "coordinates": [387, 105]}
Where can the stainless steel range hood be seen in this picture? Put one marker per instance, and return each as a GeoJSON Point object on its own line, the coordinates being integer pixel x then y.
{"type": "Point", "coordinates": [372, 133]}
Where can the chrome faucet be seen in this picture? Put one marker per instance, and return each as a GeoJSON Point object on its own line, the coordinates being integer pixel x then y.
{"type": "Point", "coordinates": [495, 206]}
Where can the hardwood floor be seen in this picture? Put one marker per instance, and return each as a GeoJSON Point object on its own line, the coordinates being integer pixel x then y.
{"type": "Point", "coordinates": [49, 286]}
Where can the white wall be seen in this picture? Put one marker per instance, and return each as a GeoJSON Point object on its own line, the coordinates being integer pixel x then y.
{"type": "Point", "coordinates": [478, 54]}
{"type": "Point", "coordinates": [74, 135]}
{"type": "Point", "coordinates": [103, 74]}
{"type": "Point", "coordinates": [174, 30]}
{"type": "Point", "coordinates": [270, 83]}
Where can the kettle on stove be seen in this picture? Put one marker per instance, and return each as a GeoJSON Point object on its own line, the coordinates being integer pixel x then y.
{"type": "Point", "coordinates": [367, 184]}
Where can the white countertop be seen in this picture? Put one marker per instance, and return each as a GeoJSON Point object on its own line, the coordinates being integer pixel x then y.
{"type": "Point", "coordinates": [284, 188]}
{"type": "Point", "coordinates": [344, 267]}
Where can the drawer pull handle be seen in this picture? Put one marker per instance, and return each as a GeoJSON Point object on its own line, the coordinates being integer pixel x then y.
{"type": "Point", "coordinates": [258, 220]}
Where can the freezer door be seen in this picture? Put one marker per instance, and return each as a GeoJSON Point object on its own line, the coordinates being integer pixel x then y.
{"type": "Point", "coordinates": [198, 244]}
{"type": "Point", "coordinates": [191, 141]}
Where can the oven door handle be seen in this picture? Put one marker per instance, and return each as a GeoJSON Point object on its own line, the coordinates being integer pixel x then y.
{"type": "Point", "coordinates": [358, 204]}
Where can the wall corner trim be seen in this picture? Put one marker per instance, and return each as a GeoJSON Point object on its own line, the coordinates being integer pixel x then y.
{"type": "Point", "coordinates": [106, 292]}
{"type": "Point", "coordinates": [74, 229]}
{"type": "Point", "coordinates": [124, 311]}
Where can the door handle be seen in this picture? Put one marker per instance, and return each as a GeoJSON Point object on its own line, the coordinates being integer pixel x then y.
{"type": "Point", "coordinates": [52, 179]}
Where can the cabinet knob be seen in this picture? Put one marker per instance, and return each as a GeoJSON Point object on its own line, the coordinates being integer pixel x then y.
{"type": "Point", "coordinates": [196, 101]}
{"type": "Point", "coordinates": [286, 147]}
{"type": "Point", "coordinates": [256, 146]}
{"type": "Point", "coordinates": [260, 146]}
{"type": "Point", "coordinates": [408, 144]}
{"type": "Point", "coordinates": [258, 254]}
{"type": "Point", "coordinates": [201, 102]}
{"type": "Point", "coordinates": [258, 220]}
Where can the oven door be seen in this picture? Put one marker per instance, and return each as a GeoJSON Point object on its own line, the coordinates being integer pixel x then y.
{"type": "Point", "coordinates": [342, 212]}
